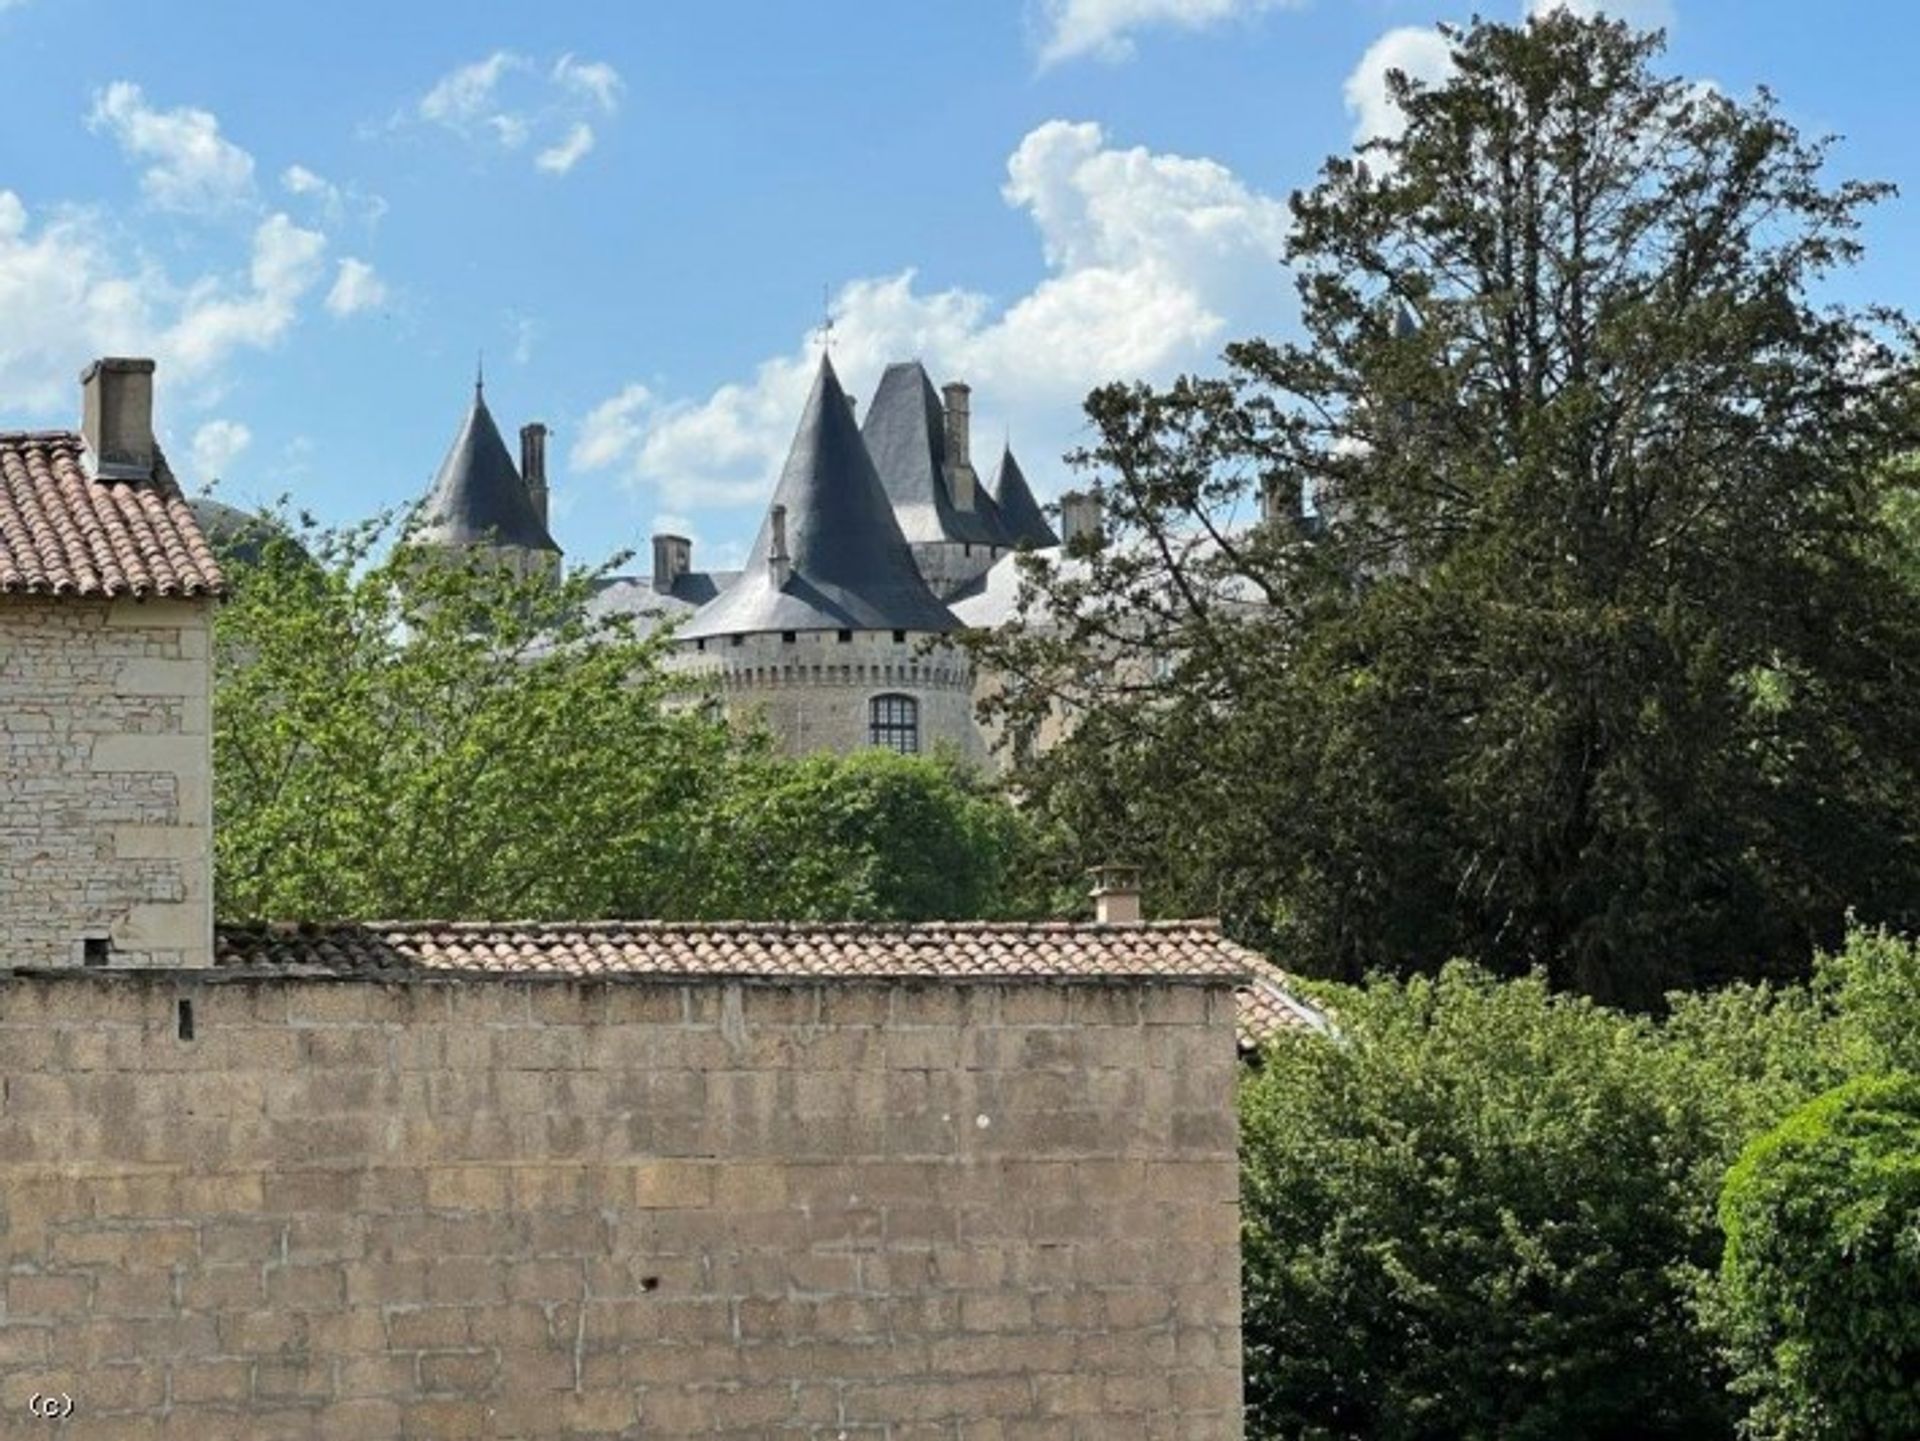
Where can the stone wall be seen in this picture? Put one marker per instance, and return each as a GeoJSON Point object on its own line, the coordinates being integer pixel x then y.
{"type": "Point", "coordinates": [317, 1208]}
{"type": "Point", "coordinates": [814, 692]}
{"type": "Point", "coordinates": [105, 803]}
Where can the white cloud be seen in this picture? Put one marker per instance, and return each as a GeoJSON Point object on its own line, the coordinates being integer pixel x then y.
{"type": "Point", "coordinates": [1103, 28]}
{"type": "Point", "coordinates": [298, 180]}
{"type": "Point", "coordinates": [612, 429]}
{"type": "Point", "coordinates": [216, 445]}
{"type": "Point", "coordinates": [1150, 258]}
{"type": "Point", "coordinates": [1419, 51]}
{"type": "Point", "coordinates": [355, 288]}
{"type": "Point", "coordinates": [216, 319]}
{"type": "Point", "coordinates": [192, 168]}
{"type": "Point", "coordinates": [506, 102]}
{"type": "Point", "coordinates": [559, 159]}
{"type": "Point", "coordinates": [463, 96]}
{"type": "Point", "coordinates": [1647, 14]}
{"type": "Point", "coordinates": [69, 292]}
{"type": "Point", "coordinates": [593, 80]}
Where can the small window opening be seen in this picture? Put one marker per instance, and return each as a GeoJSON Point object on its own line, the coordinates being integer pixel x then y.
{"type": "Point", "coordinates": [787, 637]}
{"type": "Point", "coordinates": [96, 950]}
{"type": "Point", "coordinates": [700, 645]}
{"type": "Point", "coordinates": [900, 637]}
{"type": "Point", "coordinates": [846, 637]}
{"type": "Point", "coordinates": [186, 1020]}
{"type": "Point", "coordinates": [739, 640]}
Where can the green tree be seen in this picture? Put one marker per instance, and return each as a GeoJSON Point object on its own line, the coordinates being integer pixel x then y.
{"type": "Point", "coordinates": [1593, 652]}
{"type": "Point", "coordinates": [874, 836]}
{"type": "Point", "coordinates": [401, 738]}
{"type": "Point", "coordinates": [1821, 1277]}
{"type": "Point", "coordinates": [1481, 1213]}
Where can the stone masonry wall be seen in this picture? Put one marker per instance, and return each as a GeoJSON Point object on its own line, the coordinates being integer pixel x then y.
{"type": "Point", "coordinates": [814, 692]}
{"type": "Point", "coordinates": [105, 801]}
{"type": "Point", "coordinates": [493, 1209]}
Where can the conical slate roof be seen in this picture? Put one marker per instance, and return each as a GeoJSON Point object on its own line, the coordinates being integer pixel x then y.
{"type": "Point", "coordinates": [1020, 514]}
{"type": "Point", "coordinates": [850, 568]}
{"type": "Point", "coordinates": [478, 498]}
{"type": "Point", "coordinates": [906, 433]}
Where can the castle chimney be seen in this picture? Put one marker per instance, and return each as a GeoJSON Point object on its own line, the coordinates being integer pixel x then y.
{"type": "Point", "coordinates": [1116, 895]}
{"type": "Point", "coordinates": [961, 480]}
{"type": "Point", "coordinates": [672, 558]}
{"type": "Point", "coordinates": [116, 418]}
{"type": "Point", "coordinates": [533, 466]}
{"type": "Point", "coordinates": [1280, 501]}
{"type": "Point", "coordinates": [778, 560]}
{"type": "Point", "coordinates": [1080, 518]}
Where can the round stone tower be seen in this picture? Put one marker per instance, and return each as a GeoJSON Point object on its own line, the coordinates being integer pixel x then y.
{"type": "Point", "coordinates": [830, 633]}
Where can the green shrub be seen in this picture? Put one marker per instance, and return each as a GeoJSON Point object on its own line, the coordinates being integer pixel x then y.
{"type": "Point", "coordinates": [1482, 1213]}
{"type": "Point", "coordinates": [1821, 1275]}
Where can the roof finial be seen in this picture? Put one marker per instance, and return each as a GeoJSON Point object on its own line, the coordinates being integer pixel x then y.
{"type": "Point", "coordinates": [479, 375]}
{"type": "Point", "coordinates": [825, 328]}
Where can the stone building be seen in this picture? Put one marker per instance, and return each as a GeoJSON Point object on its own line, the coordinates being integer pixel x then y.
{"type": "Point", "coordinates": [106, 596]}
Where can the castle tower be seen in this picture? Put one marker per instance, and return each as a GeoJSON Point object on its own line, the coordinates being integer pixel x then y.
{"type": "Point", "coordinates": [480, 502]}
{"type": "Point", "coordinates": [825, 633]}
{"type": "Point", "coordinates": [920, 447]}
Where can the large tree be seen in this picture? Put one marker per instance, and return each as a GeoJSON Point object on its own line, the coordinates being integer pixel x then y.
{"type": "Point", "coordinates": [1590, 650]}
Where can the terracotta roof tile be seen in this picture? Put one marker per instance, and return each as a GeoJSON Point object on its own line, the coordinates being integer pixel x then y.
{"type": "Point", "coordinates": [938, 951]}
{"type": "Point", "coordinates": [64, 534]}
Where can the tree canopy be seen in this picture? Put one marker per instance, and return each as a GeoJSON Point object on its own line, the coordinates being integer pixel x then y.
{"type": "Point", "coordinates": [402, 737]}
{"type": "Point", "coordinates": [1575, 634]}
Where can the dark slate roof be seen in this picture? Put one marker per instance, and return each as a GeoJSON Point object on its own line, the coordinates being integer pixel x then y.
{"type": "Point", "coordinates": [478, 498]}
{"type": "Point", "coordinates": [851, 568]}
{"type": "Point", "coordinates": [906, 433]}
{"type": "Point", "coordinates": [65, 533]}
{"type": "Point", "coordinates": [634, 595]}
{"type": "Point", "coordinates": [1020, 514]}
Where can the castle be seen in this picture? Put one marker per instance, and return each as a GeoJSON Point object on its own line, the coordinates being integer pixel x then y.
{"type": "Point", "coordinates": [836, 631]}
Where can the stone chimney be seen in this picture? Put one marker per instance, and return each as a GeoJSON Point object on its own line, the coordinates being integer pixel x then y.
{"type": "Point", "coordinates": [779, 561]}
{"type": "Point", "coordinates": [1280, 501]}
{"type": "Point", "coordinates": [961, 481]}
{"type": "Point", "coordinates": [1116, 895]}
{"type": "Point", "coordinates": [533, 466]}
{"type": "Point", "coordinates": [116, 418]}
{"type": "Point", "coordinates": [1080, 519]}
{"type": "Point", "coordinates": [672, 558]}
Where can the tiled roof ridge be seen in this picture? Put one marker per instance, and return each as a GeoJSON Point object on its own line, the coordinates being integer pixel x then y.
{"type": "Point", "coordinates": [1205, 925]}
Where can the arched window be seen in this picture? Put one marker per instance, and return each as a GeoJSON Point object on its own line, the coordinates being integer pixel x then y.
{"type": "Point", "coordinates": [893, 721]}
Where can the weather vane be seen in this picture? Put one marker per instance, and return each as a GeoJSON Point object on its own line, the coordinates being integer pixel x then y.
{"type": "Point", "coordinates": [825, 329]}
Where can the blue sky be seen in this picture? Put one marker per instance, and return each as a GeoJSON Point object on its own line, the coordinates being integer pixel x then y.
{"type": "Point", "coordinates": [315, 216]}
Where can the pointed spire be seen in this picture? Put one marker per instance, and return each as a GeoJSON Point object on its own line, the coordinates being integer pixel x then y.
{"type": "Point", "coordinates": [478, 497]}
{"type": "Point", "coordinates": [906, 433]}
{"type": "Point", "coordinates": [1020, 513]}
{"type": "Point", "coordinates": [847, 566]}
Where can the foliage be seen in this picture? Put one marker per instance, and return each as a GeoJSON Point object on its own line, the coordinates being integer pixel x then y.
{"type": "Point", "coordinates": [1593, 653]}
{"type": "Point", "coordinates": [1822, 1267]}
{"type": "Point", "coordinates": [1491, 1210]}
{"type": "Point", "coordinates": [875, 836]}
{"type": "Point", "coordinates": [400, 737]}
{"type": "Point", "coordinates": [404, 737]}
{"type": "Point", "coordinates": [1477, 1216]}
